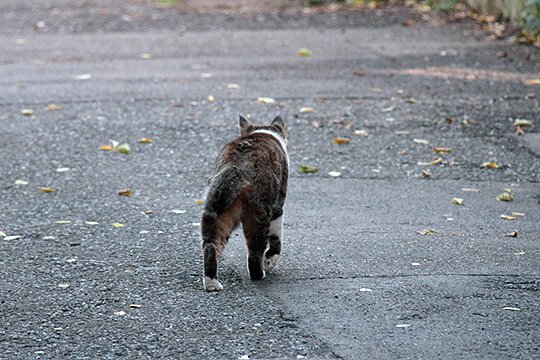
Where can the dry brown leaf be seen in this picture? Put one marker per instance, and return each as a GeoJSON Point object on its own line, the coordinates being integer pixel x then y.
{"type": "Point", "coordinates": [341, 141]}
{"type": "Point", "coordinates": [47, 189]}
{"type": "Point", "coordinates": [425, 174]}
{"type": "Point", "coordinates": [409, 23]}
{"type": "Point", "coordinates": [457, 201]}
{"type": "Point", "coordinates": [53, 107]}
{"type": "Point", "coordinates": [532, 82]}
{"type": "Point", "coordinates": [125, 192]}
{"type": "Point", "coordinates": [359, 72]}
{"type": "Point", "coordinates": [442, 150]}
{"type": "Point", "coordinates": [513, 234]}
{"type": "Point", "coordinates": [106, 147]}
{"type": "Point", "coordinates": [144, 141]}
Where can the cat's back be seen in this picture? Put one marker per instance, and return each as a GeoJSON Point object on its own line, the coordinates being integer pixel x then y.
{"type": "Point", "coordinates": [255, 149]}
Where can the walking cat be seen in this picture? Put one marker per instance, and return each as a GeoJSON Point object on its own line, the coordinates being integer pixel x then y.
{"type": "Point", "coordinates": [248, 186]}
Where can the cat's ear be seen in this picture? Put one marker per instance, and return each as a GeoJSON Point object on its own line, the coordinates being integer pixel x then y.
{"type": "Point", "coordinates": [278, 122]}
{"type": "Point", "coordinates": [243, 123]}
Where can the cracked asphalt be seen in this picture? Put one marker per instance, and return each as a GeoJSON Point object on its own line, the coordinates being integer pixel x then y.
{"type": "Point", "coordinates": [356, 280]}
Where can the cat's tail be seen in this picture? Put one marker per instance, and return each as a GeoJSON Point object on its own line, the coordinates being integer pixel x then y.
{"type": "Point", "coordinates": [225, 188]}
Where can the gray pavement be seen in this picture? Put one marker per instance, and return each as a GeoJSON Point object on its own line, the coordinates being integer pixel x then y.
{"type": "Point", "coordinates": [356, 279]}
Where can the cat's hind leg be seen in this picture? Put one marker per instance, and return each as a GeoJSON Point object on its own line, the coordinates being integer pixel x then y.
{"type": "Point", "coordinates": [256, 233]}
{"type": "Point", "coordinates": [216, 230]}
{"type": "Point", "coordinates": [274, 240]}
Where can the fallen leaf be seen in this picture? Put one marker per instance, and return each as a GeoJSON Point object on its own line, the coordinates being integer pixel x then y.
{"type": "Point", "coordinates": [513, 234]}
{"type": "Point", "coordinates": [489, 165]}
{"type": "Point", "coordinates": [388, 109]}
{"type": "Point", "coordinates": [123, 149]}
{"type": "Point", "coordinates": [508, 217]}
{"type": "Point", "coordinates": [106, 147]}
{"type": "Point", "coordinates": [82, 77]}
{"type": "Point", "coordinates": [196, 224]}
{"type": "Point", "coordinates": [304, 52]}
{"type": "Point", "coordinates": [341, 141]}
{"type": "Point", "coordinates": [53, 107]}
{"type": "Point", "coordinates": [469, 190]}
{"type": "Point", "coordinates": [21, 41]}
{"type": "Point", "coordinates": [427, 232]}
{"type": "Point", "coordinates": [307, 109]}
{"type": "Point", "coordinates": [505, 196]}
{"type": "Point", "coordinates": [402, 132]}
{"type": "Point", "coordinates": [334, 173]}
{"type": "Point", "coordinates": [411, 101]}
{"type": "Point", "coordinates": [27, 112]}
{"type": "Point", "coordinates": [365, 290]}
{"type": "Point", "coordinates": [48, 237]}
{"type": "Point", "coordinates": [233, 86]}
{"type": "Point", "coordinates": [402, 325]}
{"type": "Point", "coordinates": [134, 306]}
{"type": "Point", "coordinates": [435, 161]}
{"type": "Point", "coordinates": [199, 202]}
{"type": "Point", "coordinates": [145, 56]}
{"type": "Point", "coordinates": [149, 212]}
{"type": "Point", "coordinates": [63, 222]}
{"type": "Point", "coordinates": [409, 23]}
{"type": "Point", "coordinates": [361, 133]}
{"type": "Point", "coordinates": [442, 150]}
{"type": "Point", "coordinates": [306, 169]}
{"type": "Point", "coordinates": [12, 237]}
{"type": "Point", "coordinates": [21, 182]}
{"type": "Point", "coordinates": [457, 201]}
{"type": "Point", "coordinates": [511, 308]}
{"type": "Point", "coordinates": [119, 313]}
{"type": "Point", "coordinates": [359, 72]}
{"type": "Point", "coordinates": [532, 82]}
{"type": "Point", "coordinates": [144, 141]}
{"type": "Point", "coordinates": [211, 98]}
{"type": "Point", "coordinates": [515, 213]}
{"type": "Point", "coordinates": [421, 141]}
{"type": "Point", "coordinates": [71, 260]}
{"type": "Point", "coordinates": [426, 174]}
{"type": "Point", "coordinates": [206, 75]}
{"type": "Point", "coordinates": [175, 211]}
{"type": "Point", "coordinates": [63, 286]}
{"type": "Point", "coordinates": [91, 223]}
{"type": "Point", "coordinates": [118, 225]}
{"type": "Point", "coordinates": [125, 192]}
{"type": "Point", "coordinates": [47, 189]}
{"type": "Point", "coordinates": [415, 264]}
{"type": "Point", "coordinates": [523, 123]}
{"type": "Point", "coordinates": [2, 234]}
{"type": "Point", "coordinates": [519, 253]}
{"type": "Point", "coordinates": [266, 100]}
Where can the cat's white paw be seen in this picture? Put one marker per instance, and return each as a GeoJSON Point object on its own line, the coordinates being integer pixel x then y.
{"type": "Point", "coordinates": [270, 263]}
{"type": "Point", "coordinates": [211, 284]}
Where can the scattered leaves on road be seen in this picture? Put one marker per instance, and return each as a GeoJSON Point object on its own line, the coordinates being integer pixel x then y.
{"type": "Point", "coordinates": [47, 189]}
{"type": "Point", "coordinates": [523, 123]}
{"type": "Point", "coordinates": [435, 161]}
{"type": "Point", "coordinates": [513, 234]}
{"type": "Point", "coordinates": [134, 306]}
{"type": "Point", "coordinates": [53, 107]}
{"type": "Point", "coordinates": [341, 141]}
{"type": "Point", "coordinates": [27, 112]}
{"type": "Point", "coordinates": [63, 285]}
{"type": "Point", "coordinates": [307, 169]}
{"type": "Point", "coordinates": [334, 173]}
{"type": "Point", "coordinates": [508, 217]}
{"type": "Point", "coordinates": [82, 77]}
{"type": "Point", "coordinates": [12, 237]}
{"type": "Point", "coordinates": [359, 72]}
{"type": "Point", "coordinates": [365, 290]}
{"type": "Point", "coordinates": [489, 165]}
{"type": "Point", "coordinates": [515, 213]}
{"type": "Point", "coordinates": [62, 222]}
{"type": "Point", "coordinates": [426, 174]}
{"type": "Point", "coordinates": [457, 201]}
{"type": "Point", "coordinates": [306, 109]}
{"type": "Point", "coordinates": [511, 308]}
{"type": "Point", "coordinates": [421, 141]}
{"type": "Point", "coordinates": [442, 150]}
{"type": "Point", "coordinates": [532, 82]}
{"type": "Point", "coordinates": [144, 141]}
{"type": "Point", "coordinates": [116, 147]}
{"type": "Point", "coordinates": [118, 225]}
{"type": "Point", "coordinates": [505, 196]}
{"type": "Point", "coordinates": [145, 56]}
{"type": "Point", "coordinates": [266, 100]}
{"type": "Point", "coordinates": [427, 232]}
{"type": "Point", "coordinates": [21, 182]}
{"type": "Point", "coordinates": [125, 192]}
{"type": "Point", "coordinates": [91, 223]}
{"type": "Point", "coordinates": [304, 52]}
{"type": "Point", "coordinates": [361, 132]}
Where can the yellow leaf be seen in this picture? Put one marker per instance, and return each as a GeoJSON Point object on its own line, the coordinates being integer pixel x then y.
{"type": "Point", "coordinates": [123, 149]}
{"type": "Point", "coordinates": [457, 201]}
{"type": "Point", "coordinates": [199, 202]}
{"type": "Point", "coordinates": [47, 189]}
{"type": "Point", "coordinates": [489, 165]}
{"type": "Point", "coordinates": [341, 141]}
{"type": "Point", "coordinates": [144, 141]}
{"type": "Point", "coordinates": [515, 213]}
{"type": "Point", "coordinates": [106, 147]}
{"type": "Point", "coordinates": [442, 150]}
{"type": "Point", "coordinates": [266, 100]}
{"type": "Point", "coordinates": [505, 196]}
{"type": "Point", "coordinates": [62, 222]}
{"type": "Point", "coordinates": [53, 107]}
{"type": "Point", "coordinates": [303, 52]}
{"type": "Point", "coordinates": [118, 225]}
{"type": "Point", "coordinates": [427, 232]}
{"type": "Point", "coordinates": [306, 169]}
{"type": "Point", "coordinates": [125, 192]}
{"type": "Point", "coordinates": [532, 82]}
{"type": "Point", "coordinates": [523, 123]}
{"type": "Point", "coordinates": [27, 112]}
{"type": "Point", "coordinates": [508, 217]}
{"type": "Point", "coordinates": [306, 109]}
{"type": "Point", "coordinates": [233, 86]}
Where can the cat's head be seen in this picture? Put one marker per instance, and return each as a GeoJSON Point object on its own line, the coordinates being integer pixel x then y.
{"type": "Point", "coordinates": [277, 126]}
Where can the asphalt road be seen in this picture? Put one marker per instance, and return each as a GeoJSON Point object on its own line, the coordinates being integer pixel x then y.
{"type": "Point", "coordinates": [356, 279]}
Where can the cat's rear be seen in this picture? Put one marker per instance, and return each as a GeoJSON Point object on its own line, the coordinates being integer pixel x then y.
{"type": "Point", "coordinates": [248, 186]}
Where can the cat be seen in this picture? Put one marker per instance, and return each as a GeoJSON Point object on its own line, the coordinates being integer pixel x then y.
{"type": "Point", "coordinates": [248, 186]}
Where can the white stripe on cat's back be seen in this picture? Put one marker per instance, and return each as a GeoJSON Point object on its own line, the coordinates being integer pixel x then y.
{"type": "Point", "coordinates": [277, 137]}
